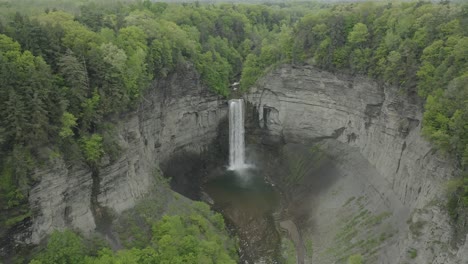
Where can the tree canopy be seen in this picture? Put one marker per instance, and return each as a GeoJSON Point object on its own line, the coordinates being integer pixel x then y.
{"type": "Point", "coordinates": [67, 66]}
{"type": "Point", "coordinates": [197, 237]}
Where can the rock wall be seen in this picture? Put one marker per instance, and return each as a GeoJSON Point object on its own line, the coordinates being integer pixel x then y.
{"type": "Point", "coordinates": [176, 114]}
{"type": "Point", "coordinates": [372, 131]}
{"type": "Point", "coordinates": [382, 126]}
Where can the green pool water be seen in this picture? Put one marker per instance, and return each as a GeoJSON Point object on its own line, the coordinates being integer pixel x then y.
{"type": "Point", "coordinates": [248, 202]}
{"type": "Point", "coordinates": [246, 191]}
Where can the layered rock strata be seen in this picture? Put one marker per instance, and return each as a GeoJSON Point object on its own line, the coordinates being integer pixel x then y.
{"type": "Point", "coordinates": [374, 133]}
{"type": "Point", "coordinates": [177, 114]}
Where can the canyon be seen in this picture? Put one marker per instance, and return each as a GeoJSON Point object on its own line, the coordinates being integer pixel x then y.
{"type": "Point", "coordinates": [386, 199]}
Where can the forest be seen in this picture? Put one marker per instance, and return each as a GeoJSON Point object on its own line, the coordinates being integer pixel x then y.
{"type": "Point", "coordinates": [190, 238]}
{"type": "Point", "coordinates": [67, 70]}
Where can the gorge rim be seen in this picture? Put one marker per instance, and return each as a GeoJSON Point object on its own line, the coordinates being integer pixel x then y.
{"type": "Point", "coordinates": [292, 132]}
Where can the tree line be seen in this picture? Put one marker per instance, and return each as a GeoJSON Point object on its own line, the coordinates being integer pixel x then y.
{"type": "Point", "coordinates": [64, 73]}
{"type": "Point", "coordinates": [65, 70]}
{"type": "Point", "coordinates": [420, 47]}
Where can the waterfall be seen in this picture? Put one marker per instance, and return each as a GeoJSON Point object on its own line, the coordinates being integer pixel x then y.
{"type": "Point", "coordinates": [236, 134]}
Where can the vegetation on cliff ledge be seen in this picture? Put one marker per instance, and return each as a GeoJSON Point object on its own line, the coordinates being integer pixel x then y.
{"type": "Point", "coordinates": [66, 68]}
{"type": "Point", "coordinates": [421, 47]}
{"type": "Point", "coordinates": [194, 238]}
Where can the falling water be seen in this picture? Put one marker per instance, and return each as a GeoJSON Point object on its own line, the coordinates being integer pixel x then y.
{"type": "Point", "coordinates": [236, 134]}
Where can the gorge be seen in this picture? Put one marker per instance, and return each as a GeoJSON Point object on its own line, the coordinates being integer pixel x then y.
{"type": "Point", "coordinates": [143, 131]}
{"type": "Point", "coordinates": [378, 192]}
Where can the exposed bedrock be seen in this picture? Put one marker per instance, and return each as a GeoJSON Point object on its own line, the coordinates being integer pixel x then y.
{"type": "Point", "coordinates": [385, 199]}
{"type": "Point", "coordinates": [391, 182]}
{"type": "Point", "coordinates": [177, 114]}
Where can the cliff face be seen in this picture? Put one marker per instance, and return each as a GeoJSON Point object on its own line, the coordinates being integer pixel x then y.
{"type": "Point", "coordinates": [387, 169]}
{"type": "Point", "coordinates": [177, 114]}
{"type": "Point", "coordinates": [386, 200]}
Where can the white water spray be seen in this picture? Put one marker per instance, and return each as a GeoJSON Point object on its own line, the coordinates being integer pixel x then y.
{"type": "Point", "coordinates": [236, 135]}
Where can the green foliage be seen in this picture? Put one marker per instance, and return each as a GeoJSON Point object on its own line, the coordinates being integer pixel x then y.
{"type": "Point", "coordinates": [355, 259]}
{"type": "Point", "coordinates": [28, 115]}
{"type": "Point", "coordinates": [215, 70]}
{"type": "Point", "coordinates": [92, 148]}
{"type": "Point", "coordinates": [90, 114]}
{"type": "Point", "coordinates": [17, 219]}
{"type": "Point", "coordinates": [114, 56]}
{"type": "Point", "coordinates": [445, 119]}
{"type": "Point", "coordinates": [275, 48]}
{"type": "Point", "coordinates": [253, 69]}
{"type": "Point", "coordinates": [26, 95]}
{"type": "Point", "coordinates": [77, 69]}
{"type": "Point", "coordinates": [457, 192]}
{"type": "Point", "coordinates": [452, 206]}
{"type": "Point", "coordinates": [309, 248]}
{"type": "Point", "coordinates": [63, 247]}
{"type": "Point", "coordinates": [68, 123]}
{"type": "Point", "coordinates": [288, 251]}
{"type": "Point", "coordinates": [66, 66]}
{"type": "Point", "coordinates": [191, 238]}
{"type": "Point", "coordinates": [11, 196]}
{"type": "Point", "coordinates": [359, 60]}
{"type": "Point", "coordinates": [360, 231]}
{"type": "Point", "coordinates": [8, 188]}
{"type": "Point", "coordinates": [63, 72]}
{"type": "Point", "coordinates": [421, 45]}
{"type": "Point", "coordinates": [359, 35]}
{"type": "Point", "coordinates": [188, 240]}
{"type": "Point", "coordinates": [74, 73]}
{"type": "Point", "coordinates": [161, 57]}
{"type": "Point", "coordinates": [340, 56]}
{"type": "Point", "coordinates": [225, 50]}
{"type": "Point", "coordinates": [413, 253]}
